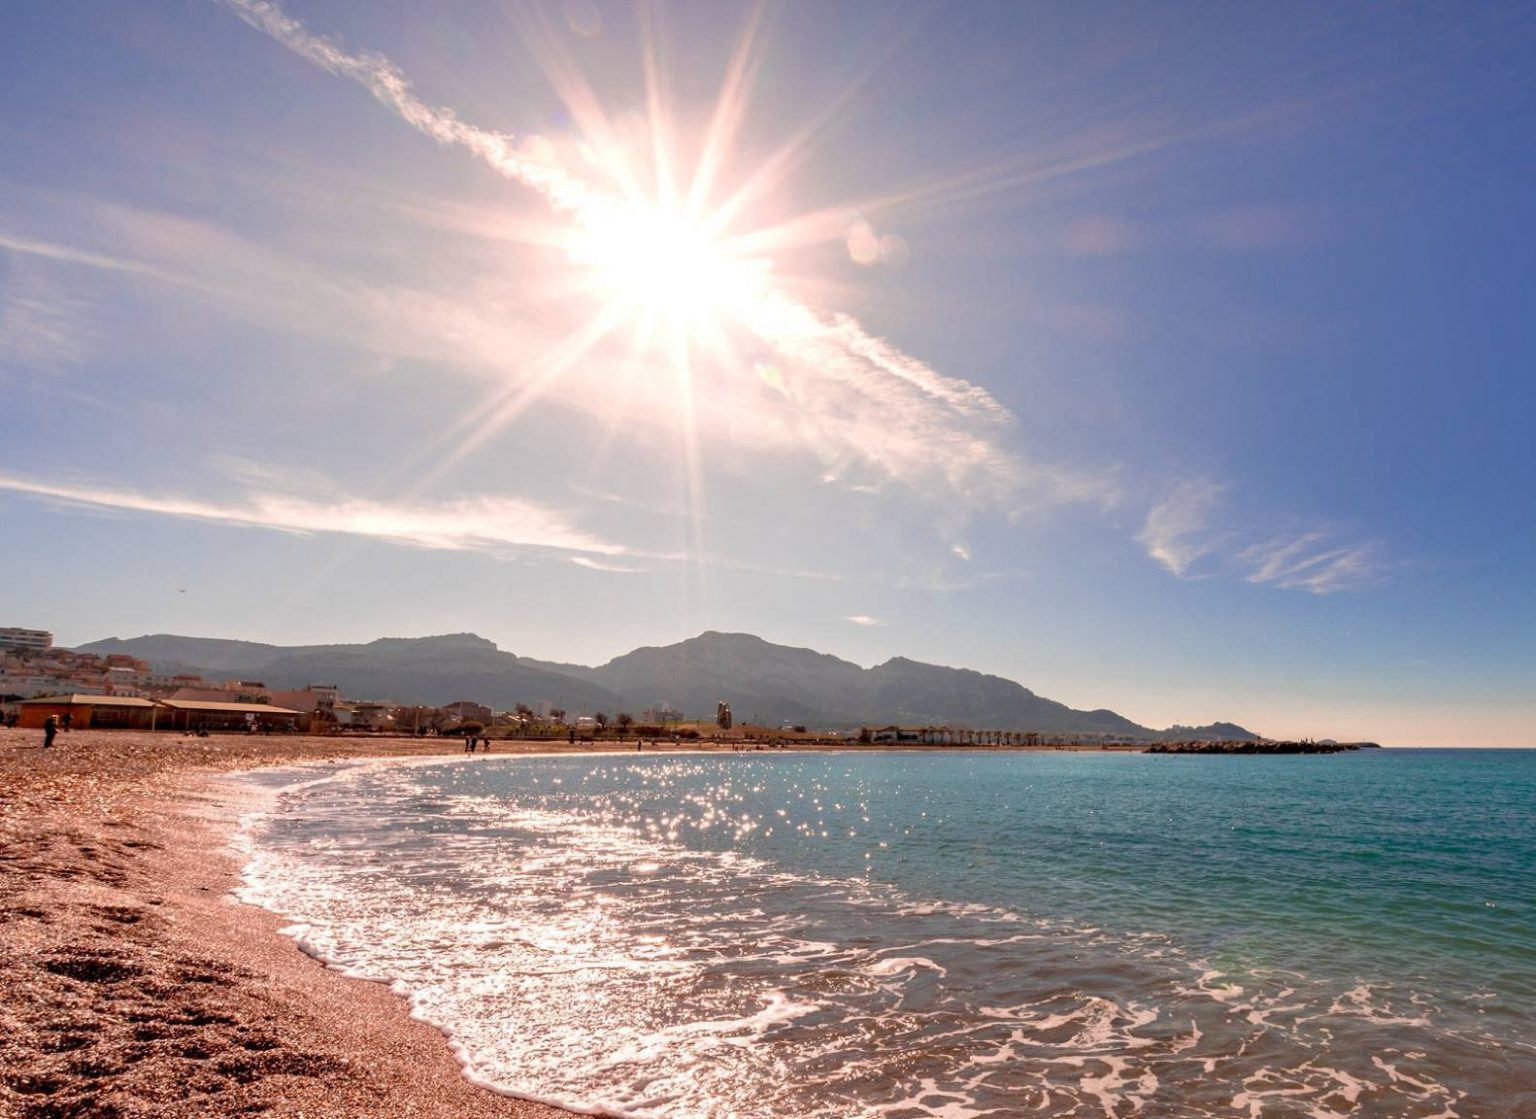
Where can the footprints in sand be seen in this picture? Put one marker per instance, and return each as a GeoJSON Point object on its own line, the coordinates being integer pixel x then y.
{"type": "Point", "coordinates": [110, 1012]}
{"type": "Point", "coordinates": [92, 967]}
{"type": "Point", "coordinates": [132, 1030]}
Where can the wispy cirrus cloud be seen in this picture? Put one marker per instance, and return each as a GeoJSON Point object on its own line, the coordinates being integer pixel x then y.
{"type": "Point", "coordinates": [68, 254]}
{"type": "Point", "coordinates": [485, 524]}
{"type": "Point", "coordinates": [1181, 533]}
{"type": "Point", "coordinates": [1313, 561]}
{"type": "Point", "coordinates": [474, 330]}
{"type": "Point", "coordinates": [494, 525]}
{"type": "Point", "coordinates": [604, 565]}
{"type": "Point", "coordinates": [863, 620]}
{"type": "Point", "coordinates": [43, 330]}
{"type": "Point", "coordinates": [1176, 533]}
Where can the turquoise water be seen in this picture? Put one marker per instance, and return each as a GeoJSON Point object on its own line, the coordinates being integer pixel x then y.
{"type": "Point", "coordinates": [956, 933]}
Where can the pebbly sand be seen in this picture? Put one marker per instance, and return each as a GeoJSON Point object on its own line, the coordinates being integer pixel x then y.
{"type": "Point", "coordinates": [133, 984]}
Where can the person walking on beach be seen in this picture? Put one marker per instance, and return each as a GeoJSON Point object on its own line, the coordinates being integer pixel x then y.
{"type": "Point", "coordinates": [50, 730]}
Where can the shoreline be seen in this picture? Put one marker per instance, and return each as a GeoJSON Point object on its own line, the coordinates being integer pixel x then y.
{"type": "Point", "coordinates": [134, 982]}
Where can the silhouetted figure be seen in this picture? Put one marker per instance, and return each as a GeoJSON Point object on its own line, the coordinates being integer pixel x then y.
{"type": "Point", "coordinates": [50, 730]}
{"type": "Point", "coordinates": [67, 719]}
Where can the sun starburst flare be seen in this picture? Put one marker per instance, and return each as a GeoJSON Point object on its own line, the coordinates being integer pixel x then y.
{"type": "Point", "coordinates": [663, 250]}
{"type": "Point", "coordinates": [660, 263]}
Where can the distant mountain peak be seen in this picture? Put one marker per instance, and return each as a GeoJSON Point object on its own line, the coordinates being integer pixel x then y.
{"type": "Point", "coordinates": [761, 680]}
{"type": "Point", "coordinates": [440, 641]}
{"type": "Point", "coordinates": [716, 636]}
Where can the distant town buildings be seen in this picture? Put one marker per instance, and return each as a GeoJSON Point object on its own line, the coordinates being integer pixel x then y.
{"type": "Point", "coordinates": [39, 669]}
{"type": "Point", "coordinates": [37, 679]}
{"type": "Point", "coordinates": [118, 690]}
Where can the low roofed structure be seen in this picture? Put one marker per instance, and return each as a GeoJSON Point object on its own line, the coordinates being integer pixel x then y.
{"type": "Point", "coordinates": [204, 714]}
{"type": "Point", "coordinates": [88, 710]}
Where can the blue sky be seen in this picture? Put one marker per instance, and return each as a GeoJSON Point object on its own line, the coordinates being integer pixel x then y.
{"type": "Point", "coordinates": [1174, 359]}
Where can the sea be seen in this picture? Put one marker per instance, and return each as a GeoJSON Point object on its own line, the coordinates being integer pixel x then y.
{"type": "Point", "coordinates": [937, 933]}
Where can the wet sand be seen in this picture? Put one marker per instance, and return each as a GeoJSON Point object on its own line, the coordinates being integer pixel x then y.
{"type": "Point", "coordinates": [133, 984]}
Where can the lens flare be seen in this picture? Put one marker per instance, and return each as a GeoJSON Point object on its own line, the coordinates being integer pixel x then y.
{"type": "Point", "coordinates": [648, 260]}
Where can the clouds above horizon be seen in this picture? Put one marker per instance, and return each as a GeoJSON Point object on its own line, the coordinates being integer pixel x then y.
{"type": "Point", "coordinates": [485, 524]}
{"type": "Point", "coordinates": [42, 327]}
{"type": "Point", "coordinates": [1185, 534]}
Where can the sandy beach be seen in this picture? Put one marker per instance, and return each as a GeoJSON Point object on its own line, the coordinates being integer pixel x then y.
{"type": "Point", "coordinates": [133, 984]}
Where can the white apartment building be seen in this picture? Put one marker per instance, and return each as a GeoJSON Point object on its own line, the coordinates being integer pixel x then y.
{"type": "Point", "coordinates": [30, 685]}
{"type": "Point", "coordinates": [13, 637]}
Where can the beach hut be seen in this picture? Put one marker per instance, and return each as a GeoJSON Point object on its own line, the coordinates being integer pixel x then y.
{"type": "Point", "coordinates": [88, 711]}
{"type": "Point", "coordinates": [206, 714]}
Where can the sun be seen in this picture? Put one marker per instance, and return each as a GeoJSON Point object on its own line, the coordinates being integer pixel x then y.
{"type": "Point", "coordinates": [658, 264]}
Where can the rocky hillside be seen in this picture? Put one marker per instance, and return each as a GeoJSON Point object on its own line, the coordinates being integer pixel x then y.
{"type": "Point", "coordinates": [407, 669]}
{"type": "Point", "coordinates": [762, 682]}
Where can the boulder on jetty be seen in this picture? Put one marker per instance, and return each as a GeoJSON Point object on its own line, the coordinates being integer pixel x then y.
{"type": "Point", "coordinates": [1261, 747]}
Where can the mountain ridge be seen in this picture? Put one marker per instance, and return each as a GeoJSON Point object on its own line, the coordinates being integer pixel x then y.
{"type": "Point", "coordinates": [761, 680]}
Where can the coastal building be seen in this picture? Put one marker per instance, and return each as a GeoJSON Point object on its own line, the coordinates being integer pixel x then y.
{"type": "Point", "coordinates": [895, 734]}
{"type": "Point", "coordinates": [88, 711]}
{"type": "Point", "coordinates": [317, 703]}
{"type": "Point", "coordinates": [203, 714]}
{"type": "Point", "coordinates": [466, 710]}
{"type": "Point", "coordinates": [122, 680]}
{"type": "Point", "coordinates": [364, 716]}
{"type": "Point", "coordinates": [925, 735]}
{"type": "Point", "coordinates": [139, 713]}
{"type": "Point", "coordinates": [14, 637]}
{"type": "Point", "coordinates": [317, 698]}
{"type": "Point", "coordinates": [207, 694]}
{"type": "Point", "coordinates": [29, 685]}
